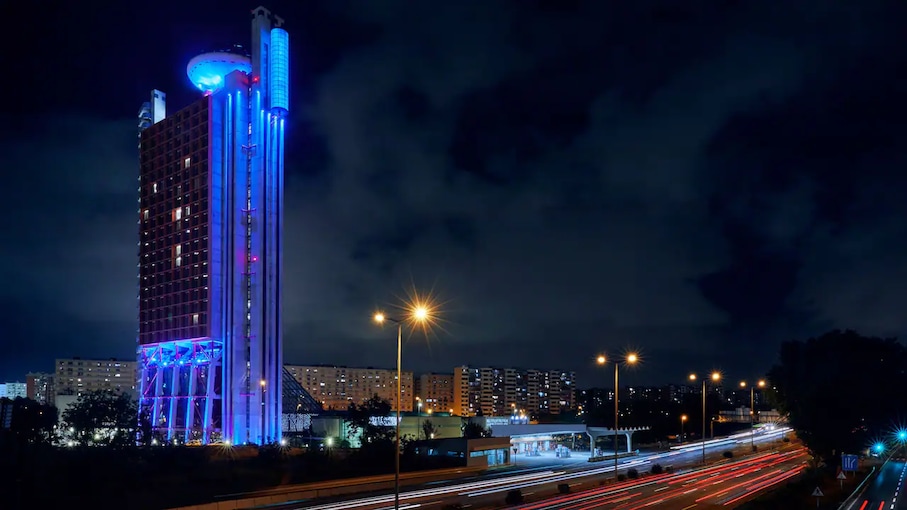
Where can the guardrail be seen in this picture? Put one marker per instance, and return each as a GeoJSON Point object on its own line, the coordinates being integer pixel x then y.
{"type": "Point", "coordinates": [297, 492]}
{"type": "Point", "coordinates": [849, 502]}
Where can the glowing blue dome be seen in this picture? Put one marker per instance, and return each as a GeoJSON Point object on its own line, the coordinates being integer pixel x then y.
{"type": "Point", "coordinates": [207, 71]}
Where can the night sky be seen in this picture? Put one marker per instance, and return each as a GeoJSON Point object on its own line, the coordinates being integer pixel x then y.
{"type": "Point", "coordinates": [696, 180]}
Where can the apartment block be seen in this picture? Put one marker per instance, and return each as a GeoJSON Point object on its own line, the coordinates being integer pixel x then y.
{"type": "Point", "coordinates": [13, 390]}
{"type": "Point", "coordinates": [76, 376]}
{"type": "Point", "coordinates": [336, 387]}
{"type": "Point", "coordinates": [40, 387]}
{"type": "Point", "coordinates": [493, 391]}
{"type": "Point", "coordinates": [435, 392]}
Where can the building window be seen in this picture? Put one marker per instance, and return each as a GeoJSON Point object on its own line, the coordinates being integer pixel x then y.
{"type": "Point", "coordinates": [187, 162]}
{"type": "Point", "coordinates": [154, 187]}
{"type": "Point", "coordinates": [195, 319]}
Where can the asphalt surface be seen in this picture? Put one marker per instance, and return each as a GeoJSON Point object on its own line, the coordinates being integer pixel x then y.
{"type": "Point", "coordinates": [885, 491]}
{"type": "Point", "coordinates": [489, 491]}
{"type": "Point", "coordinates": [724, 485]}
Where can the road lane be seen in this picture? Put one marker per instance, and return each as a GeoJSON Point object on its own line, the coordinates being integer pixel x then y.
{"type": "Point", "coordinates": [885, 491]}
{"type": "Point", "coordinates": [725, 486]}
{"type": "Point", "coordinates": [482, 491]}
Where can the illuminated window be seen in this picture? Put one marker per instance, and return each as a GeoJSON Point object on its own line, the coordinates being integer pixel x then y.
{"type": "Point", "coordinates": [179, 261]}
{"type": "Point", "coordinates": [179, 250]}
{"type": "Point", "coordinates": [154, 187]}
{"type": "Point", "coordinates": [187, 162]}
{"type": "Point", "coordinates": [145, 214]}
{"type": "Point", "coordinates": [195, 319]}
{"type": "Point", "coordinates": [177, 214]}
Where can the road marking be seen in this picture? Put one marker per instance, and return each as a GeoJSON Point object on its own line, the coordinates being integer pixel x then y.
{"type": "Point", "coordinates": [661, 489]}
{"type": "Point", "coordinates": [691, 506]}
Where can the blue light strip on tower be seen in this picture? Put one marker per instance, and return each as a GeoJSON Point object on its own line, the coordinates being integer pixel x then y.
{"type": "Point", "coordinates": [279, 69]}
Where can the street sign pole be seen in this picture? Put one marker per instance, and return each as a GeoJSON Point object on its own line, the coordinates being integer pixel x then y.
{"type": "Point", "coordinates": [841, 478]}
{"type": "Point", "coordinates": [818, 494]}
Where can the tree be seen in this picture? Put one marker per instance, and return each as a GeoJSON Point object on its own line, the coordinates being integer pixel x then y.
{"type": "Point", "coordinates": [31, 421]}
{"type": "Point", "coordinates": [840, 390]}
{"type": "Point", "coordinates": [145, 430]}
{"type": "Point", "coordinates": [359, 421]}
{"type": "Point", "coordinates": [103, 417]}
{"type": "Point", "coordinates": [472, 430]}
{"type": "Point", "coordinates": [428, 429]}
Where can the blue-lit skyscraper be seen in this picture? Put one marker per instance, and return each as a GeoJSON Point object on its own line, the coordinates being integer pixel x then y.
{"type": "Point", "coordinates": [211, 247]}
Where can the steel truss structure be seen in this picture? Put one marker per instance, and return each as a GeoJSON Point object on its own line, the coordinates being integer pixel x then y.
{"type": "Point", "coordinates": [181, 389]}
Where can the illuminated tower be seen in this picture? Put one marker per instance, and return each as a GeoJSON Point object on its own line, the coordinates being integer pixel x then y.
{"type": "Point", "coordinates": [211, 247]}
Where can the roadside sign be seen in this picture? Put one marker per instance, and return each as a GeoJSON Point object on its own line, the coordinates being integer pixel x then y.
{"type": "Point", "coordinates": [818, 492]}
{"type": "Point", "coordinates": [849, 462]}
{"type": "Point", "coordinates": [842, 476]}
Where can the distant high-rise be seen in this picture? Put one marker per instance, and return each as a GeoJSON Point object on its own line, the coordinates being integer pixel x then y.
{"type": "Point", "coordinates": [211, 246]}
{"type": "Point", "coordinates": [492, 391]}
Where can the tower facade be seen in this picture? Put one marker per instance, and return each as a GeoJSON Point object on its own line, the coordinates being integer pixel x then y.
{"type": "Point", "coordinates": [211, 247]}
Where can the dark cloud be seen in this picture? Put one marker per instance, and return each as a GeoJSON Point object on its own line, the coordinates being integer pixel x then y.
{"type": "Point", "coordinates": [569, 177]}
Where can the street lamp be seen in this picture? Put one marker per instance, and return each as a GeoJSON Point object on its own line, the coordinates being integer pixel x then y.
{"type": "Point", "coordinates": [630, 359]}
{"type": "Point", "coordinates": [715, 378]}
{"type": "Point", "coordinates": [683, 419]}
{"type": "Point", "coordinates": [420, 315]}
{"type": "Point", "coordinates": [264, 388]}
{"type": "Point", "coordinates": [760, 384]}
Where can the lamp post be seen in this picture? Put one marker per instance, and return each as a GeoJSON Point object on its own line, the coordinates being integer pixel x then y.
{"type": "Point", "coordinates": [630, 359]}
{"type": "Point", "coordinates": [264, 388]}
{"type": "Point", "coordinates": [420, 314]}
{"type": "Point", "coordinates": [715, 378]}
{"type": "Point", "coordinates": [683, 419]}
{"type": "Point", "coordinates": [760, 384]}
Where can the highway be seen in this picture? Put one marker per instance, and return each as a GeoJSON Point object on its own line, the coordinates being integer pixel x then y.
{"type": "Point", "coordinates": [884, 492]}
{"type": "Point", "coordinates": [724, 485]}
{"type": "Point", "coordinates": [489, 491]}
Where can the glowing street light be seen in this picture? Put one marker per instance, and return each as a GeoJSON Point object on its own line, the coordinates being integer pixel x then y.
{"type": "Point", "coordinates": [418, 314]}
{"type": "Point", "coordinates": [760, 384]}
{"type": "Point", "coordinates": [715, 377]}
{"type": "Point", "coordinates": [683, 419]}
{"type": "Point", "coordinates": [630, 359]}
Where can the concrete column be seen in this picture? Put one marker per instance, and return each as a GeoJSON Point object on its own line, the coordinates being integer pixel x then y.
{"type": "Point", "coordinates": [629, 442]}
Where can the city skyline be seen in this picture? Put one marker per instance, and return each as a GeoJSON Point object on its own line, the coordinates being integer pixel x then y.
{"type": "Point", "coordinates": [639, 186]}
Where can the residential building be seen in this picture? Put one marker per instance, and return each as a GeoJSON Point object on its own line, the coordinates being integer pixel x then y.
{"type": "Point", "coordinates": [76, 376]}
{"type": "Point", "coordinates": [13, 390]}
{"type": "Point", "coordinates": [336, 387]}
{"type": "Point", "coordinates": [435, 391]}
{"type": "Point", "coordinates": [40, 387]}
{"type": "Point", "coordinates": [493, 391]}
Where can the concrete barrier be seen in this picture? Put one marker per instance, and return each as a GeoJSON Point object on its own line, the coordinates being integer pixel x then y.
{"type": "Point", "coordinates": [288, 493]}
